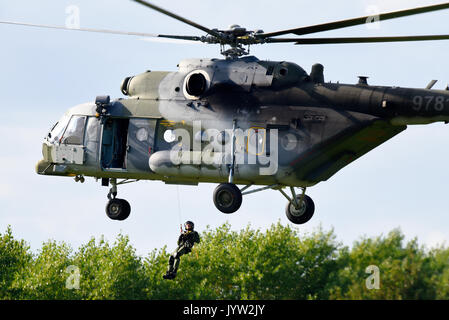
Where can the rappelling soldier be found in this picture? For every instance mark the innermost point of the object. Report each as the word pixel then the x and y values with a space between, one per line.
pixel 185 244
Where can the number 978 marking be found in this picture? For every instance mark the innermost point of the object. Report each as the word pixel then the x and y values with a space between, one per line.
pixel 428 103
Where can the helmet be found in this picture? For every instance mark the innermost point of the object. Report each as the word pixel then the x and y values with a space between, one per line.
pixel 189 223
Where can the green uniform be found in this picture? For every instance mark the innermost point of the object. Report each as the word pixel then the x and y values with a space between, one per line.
pixel 185 244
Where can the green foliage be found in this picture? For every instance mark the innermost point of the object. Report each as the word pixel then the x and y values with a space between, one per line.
pixel 404 271
pixel 45 277
pixel 14 257
pixel 439 267
pixel 278 263
pixel 110 272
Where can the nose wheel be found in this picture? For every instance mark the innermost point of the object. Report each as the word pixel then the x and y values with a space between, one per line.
pixel 117 209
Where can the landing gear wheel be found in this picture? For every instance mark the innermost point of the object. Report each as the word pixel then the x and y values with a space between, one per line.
pixel 118 209
pixel 227 197
pixel 302 214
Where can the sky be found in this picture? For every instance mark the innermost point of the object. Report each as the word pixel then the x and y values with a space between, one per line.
pixel 401 184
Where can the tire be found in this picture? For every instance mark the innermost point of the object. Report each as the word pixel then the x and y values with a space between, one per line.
pixel 304 214
pixel 227 198
pixel 118 209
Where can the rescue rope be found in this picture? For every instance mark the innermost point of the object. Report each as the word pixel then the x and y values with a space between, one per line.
pixel 180 214
pixel 179 207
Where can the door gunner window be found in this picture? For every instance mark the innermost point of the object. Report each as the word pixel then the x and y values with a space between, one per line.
pixel 74 133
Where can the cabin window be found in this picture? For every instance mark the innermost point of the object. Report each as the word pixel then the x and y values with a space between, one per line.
pixel 169 136
pixel 256 141
pixel 74 133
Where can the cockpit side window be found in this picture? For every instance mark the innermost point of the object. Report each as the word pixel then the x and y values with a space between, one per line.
pixel 74 133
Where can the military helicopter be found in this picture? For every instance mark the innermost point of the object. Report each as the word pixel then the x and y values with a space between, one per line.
pixel 237 121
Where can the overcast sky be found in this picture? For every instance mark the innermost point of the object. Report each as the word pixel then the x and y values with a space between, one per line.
pixel 401 184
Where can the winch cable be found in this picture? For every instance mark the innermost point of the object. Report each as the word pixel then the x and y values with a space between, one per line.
pixel 179 207
pixel 180 214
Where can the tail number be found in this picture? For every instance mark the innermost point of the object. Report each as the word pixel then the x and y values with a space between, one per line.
pixel 428 103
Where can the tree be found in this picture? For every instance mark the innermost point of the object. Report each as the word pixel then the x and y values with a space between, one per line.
pixel 440 272
pixel 110 272
pixel 46 276
pixel 278 263
pixel 404 271
pixel 14 258
pixel 250 264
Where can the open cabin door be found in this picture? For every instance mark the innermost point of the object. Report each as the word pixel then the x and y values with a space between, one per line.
pixel 114 143
pixel 127 144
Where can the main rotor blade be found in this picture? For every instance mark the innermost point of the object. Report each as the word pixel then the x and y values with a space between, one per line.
pixel 357 21
pixel 140 34
pixel 358 39
pixel 177 17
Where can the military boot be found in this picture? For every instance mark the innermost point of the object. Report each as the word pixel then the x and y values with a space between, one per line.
pixel 169 275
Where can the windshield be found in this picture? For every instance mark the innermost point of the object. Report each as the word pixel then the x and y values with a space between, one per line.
pixel 58 129
pixel 74 133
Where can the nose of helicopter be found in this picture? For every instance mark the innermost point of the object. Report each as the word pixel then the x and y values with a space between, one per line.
pixel 45 163
pixel 42 166
pixel 47 168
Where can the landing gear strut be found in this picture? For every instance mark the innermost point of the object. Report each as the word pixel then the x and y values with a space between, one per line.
pixel 117 209
pixel 227 196
pixel 300 208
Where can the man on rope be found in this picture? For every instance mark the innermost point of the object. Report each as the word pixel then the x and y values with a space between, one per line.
pixel 185 244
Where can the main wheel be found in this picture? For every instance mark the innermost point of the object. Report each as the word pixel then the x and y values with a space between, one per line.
pixel 118 209
pixel 227 197
pixel 302 214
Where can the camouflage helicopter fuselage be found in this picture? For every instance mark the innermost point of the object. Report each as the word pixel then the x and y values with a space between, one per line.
pixel 302 129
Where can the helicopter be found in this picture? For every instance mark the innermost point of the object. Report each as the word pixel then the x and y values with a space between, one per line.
pixel 237 121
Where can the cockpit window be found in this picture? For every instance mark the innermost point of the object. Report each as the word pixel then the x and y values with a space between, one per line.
pixel 74 133
pixel 57 130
